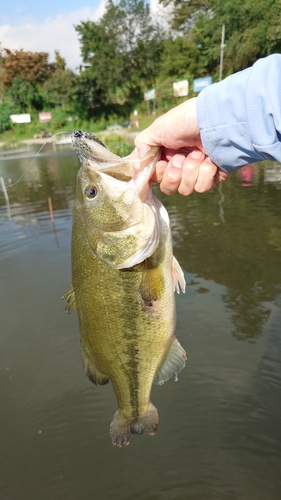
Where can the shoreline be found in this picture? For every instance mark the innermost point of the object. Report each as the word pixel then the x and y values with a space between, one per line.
pixel 64 138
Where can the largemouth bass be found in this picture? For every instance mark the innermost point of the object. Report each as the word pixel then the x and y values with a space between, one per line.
pixel 123 279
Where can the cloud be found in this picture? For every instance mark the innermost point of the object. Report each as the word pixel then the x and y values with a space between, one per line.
pixel 58 33
pixel 160 13
pixel 55 33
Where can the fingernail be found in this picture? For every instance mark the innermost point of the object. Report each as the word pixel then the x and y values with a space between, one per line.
pixel 197 154
pixel 177 161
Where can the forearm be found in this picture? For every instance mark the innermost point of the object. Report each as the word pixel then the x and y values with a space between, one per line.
pixel 240 117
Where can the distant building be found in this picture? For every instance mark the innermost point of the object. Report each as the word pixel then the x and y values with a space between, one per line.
pixel 82 68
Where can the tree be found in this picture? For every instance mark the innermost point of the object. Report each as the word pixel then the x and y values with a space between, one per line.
pixel 6 109
pixel 123 50
pixel 181 56
pixel 30 66
pixel 252 29
pixel 60 88
pixel 60 62
pixel 93 99
pixel 25 95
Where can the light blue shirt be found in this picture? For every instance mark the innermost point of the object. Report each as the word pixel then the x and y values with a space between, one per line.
pixel 240 117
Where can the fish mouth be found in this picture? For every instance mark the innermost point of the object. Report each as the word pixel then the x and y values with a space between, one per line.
pixel 87 145
pixel 136 171
pixel 143 171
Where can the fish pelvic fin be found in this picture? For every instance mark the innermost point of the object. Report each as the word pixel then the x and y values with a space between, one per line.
pixel 178 276
pixel 92 372
pixel 172 364
pixel 121 428
pixel 69 298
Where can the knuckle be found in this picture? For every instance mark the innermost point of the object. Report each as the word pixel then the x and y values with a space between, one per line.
pixel 185 190
pixel 172 175
pixel 190 166
pixel 209 168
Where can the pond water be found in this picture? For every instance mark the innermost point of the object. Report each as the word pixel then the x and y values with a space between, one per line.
pixel 220 424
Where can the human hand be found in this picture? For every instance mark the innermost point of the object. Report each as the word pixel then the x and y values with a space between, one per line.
pixel 184 165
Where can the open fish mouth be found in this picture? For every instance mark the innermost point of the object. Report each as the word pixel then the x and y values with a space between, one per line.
pixel 133 169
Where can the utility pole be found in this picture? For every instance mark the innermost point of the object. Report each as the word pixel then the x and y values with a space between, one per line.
pixel 222 49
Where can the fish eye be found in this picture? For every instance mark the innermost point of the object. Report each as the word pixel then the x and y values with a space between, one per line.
pixel 91 192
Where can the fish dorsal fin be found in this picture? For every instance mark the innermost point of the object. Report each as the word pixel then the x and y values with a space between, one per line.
pixel 178 276
pixel 172 364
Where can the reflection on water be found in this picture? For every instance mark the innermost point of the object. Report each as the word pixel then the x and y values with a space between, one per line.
pixel 219 435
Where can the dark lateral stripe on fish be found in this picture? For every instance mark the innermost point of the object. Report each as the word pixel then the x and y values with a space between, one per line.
pixel 133 364
pixel 131 341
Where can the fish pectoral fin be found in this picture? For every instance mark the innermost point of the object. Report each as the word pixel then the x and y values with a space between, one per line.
pixel 172 364
pixel 69 298
pixel 178 276
pixel 92 372
pixel 152 285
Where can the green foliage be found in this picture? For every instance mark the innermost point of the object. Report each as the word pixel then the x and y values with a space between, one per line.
pixel 25 95
pixel 123 50
pixel 91 98
pixel 117 144
pixel 181 55
pixel 6 109
pixel 252 30
pixel 60 88
pixel 128 53
pixel 60 62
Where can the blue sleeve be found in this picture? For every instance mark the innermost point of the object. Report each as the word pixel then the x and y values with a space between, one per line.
pixel 240 117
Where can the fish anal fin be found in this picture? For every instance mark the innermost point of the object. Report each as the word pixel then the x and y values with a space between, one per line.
pixel 178 276
pixel 121 428
pixel 172 364
pixel 92 372
pixel 69 298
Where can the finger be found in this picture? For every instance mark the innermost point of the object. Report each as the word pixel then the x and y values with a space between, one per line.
pixel 206 176
pixel 221 176
pixel 168 153
pixel 172 175
pixel 161 166
pixel 190 172
pixel 142 146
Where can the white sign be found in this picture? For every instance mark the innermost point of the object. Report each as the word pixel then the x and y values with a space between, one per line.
pixel 180 88
pixel 149 95
pixel 24 118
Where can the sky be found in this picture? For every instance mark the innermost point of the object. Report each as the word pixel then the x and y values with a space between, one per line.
pixel 48 25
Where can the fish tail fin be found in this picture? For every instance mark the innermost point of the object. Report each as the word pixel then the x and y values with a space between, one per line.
pixel 121 428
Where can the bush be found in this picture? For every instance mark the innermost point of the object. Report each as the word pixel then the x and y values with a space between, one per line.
pixel 6 109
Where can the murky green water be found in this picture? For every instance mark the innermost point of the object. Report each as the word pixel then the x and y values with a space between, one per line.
pixel 220 424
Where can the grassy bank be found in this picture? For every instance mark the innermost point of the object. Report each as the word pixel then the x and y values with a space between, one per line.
pixel 18 133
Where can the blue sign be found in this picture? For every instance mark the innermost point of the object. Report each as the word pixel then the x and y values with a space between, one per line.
pixel 200 83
